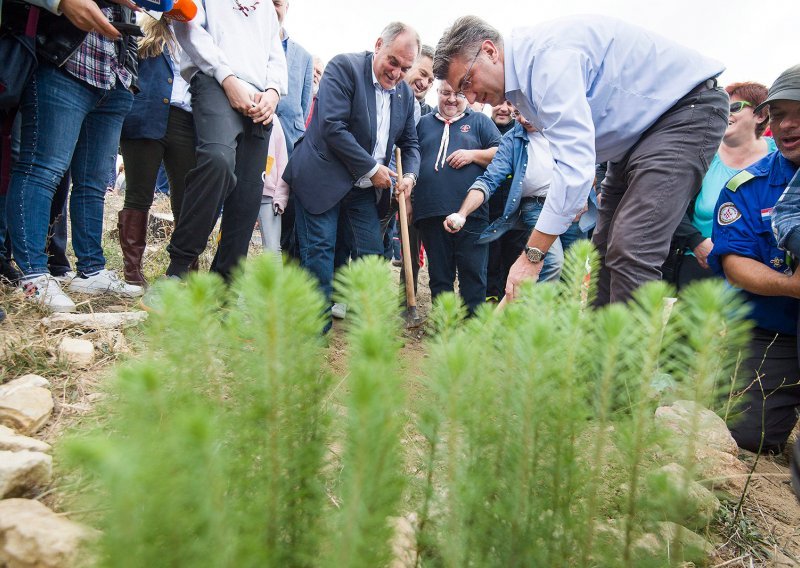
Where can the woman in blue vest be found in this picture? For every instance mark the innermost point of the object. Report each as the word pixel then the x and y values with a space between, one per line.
pixel 159 128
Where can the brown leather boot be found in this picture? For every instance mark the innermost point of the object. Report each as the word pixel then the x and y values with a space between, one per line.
pixel 132 239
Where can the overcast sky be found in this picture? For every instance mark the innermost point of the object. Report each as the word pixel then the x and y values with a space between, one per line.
pixel 755 40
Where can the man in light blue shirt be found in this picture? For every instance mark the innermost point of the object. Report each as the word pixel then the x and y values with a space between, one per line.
pixel 600 90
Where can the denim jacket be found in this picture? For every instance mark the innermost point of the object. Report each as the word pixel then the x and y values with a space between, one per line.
pixel 512 159
pixel 786 218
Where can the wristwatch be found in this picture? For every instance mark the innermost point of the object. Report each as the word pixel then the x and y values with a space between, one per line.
pixel 534 254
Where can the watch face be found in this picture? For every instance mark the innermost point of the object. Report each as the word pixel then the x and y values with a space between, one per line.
pixel 534 254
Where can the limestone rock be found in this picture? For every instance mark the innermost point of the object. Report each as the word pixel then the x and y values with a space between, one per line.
pixel 661 544
pixel 701 504
pixel 95 321
pixel 32 536
pixel 24 382
pixel 114 342
pixel 721 471
pixel 25 404
pixel 79 352
pixel 24 470
pixel 710 429
pixel 10 441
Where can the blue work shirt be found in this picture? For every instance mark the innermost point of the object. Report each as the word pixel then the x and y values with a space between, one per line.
pixel 742 226
pixel 592 85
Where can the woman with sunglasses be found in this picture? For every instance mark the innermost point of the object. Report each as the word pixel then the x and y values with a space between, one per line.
pixel 743 144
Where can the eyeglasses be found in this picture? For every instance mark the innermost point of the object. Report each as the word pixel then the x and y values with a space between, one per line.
pixel 448 94
pixel 467 80
pixel 739 105
pixel 515 114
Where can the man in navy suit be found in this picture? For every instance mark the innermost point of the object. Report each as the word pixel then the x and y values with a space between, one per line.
pixel 339 169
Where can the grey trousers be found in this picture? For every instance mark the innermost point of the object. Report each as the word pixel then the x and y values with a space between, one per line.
pixel 231 154
pixel 645 195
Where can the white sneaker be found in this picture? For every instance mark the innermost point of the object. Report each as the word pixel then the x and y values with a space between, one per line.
pixel 104 282
pixel 65 278
pixel 339 311
pixel 46 291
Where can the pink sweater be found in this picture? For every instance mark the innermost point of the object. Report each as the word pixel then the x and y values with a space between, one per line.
pixel 277 158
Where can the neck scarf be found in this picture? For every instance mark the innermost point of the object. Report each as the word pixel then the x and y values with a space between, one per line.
pixel 442 155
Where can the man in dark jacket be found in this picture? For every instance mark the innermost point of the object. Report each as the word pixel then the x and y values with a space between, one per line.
pixel 337 170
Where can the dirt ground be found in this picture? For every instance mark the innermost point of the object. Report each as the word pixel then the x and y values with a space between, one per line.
pixel 770 526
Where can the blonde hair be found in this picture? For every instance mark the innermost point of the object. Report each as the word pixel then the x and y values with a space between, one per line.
pixel 157 36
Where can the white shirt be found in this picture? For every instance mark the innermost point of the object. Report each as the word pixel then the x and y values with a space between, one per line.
pixel 221 41
pixel 383 110
pixel 592 85
pixel 180 97
pixel 539 171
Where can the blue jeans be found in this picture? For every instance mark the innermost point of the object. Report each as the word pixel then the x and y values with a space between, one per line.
pixel 355 217
pixel 66 124
pixel 571 235
pixel 529 211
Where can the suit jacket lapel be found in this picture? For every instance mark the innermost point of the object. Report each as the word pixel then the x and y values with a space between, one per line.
pixel 371 106
pixel 397 121
pixel 290 48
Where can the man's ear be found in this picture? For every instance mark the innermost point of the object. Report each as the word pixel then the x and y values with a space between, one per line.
pixel 378 44
pixel 490 49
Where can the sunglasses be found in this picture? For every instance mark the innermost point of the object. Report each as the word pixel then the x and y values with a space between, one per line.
pixel 739 105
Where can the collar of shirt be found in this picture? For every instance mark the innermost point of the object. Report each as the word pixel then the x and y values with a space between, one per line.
pixel 284 40
pixel 513 88
pixel 783 172
pixel 376 83
pixel 512 84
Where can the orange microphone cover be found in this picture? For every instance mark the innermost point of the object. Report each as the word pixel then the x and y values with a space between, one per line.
pixel 182 11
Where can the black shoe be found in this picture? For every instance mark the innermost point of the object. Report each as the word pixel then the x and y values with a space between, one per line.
pixel 9 274
pixel 2 315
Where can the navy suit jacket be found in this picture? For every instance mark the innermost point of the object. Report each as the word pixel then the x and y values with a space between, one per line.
pixel 149 114
pixel 294 107
pixel 337 147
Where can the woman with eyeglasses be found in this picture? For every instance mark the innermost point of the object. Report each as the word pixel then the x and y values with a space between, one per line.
pixel 743 144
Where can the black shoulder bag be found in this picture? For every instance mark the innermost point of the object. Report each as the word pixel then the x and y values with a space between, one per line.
pixel 18 54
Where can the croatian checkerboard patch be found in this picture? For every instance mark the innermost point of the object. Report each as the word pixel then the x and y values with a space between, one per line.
pixel 728 214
